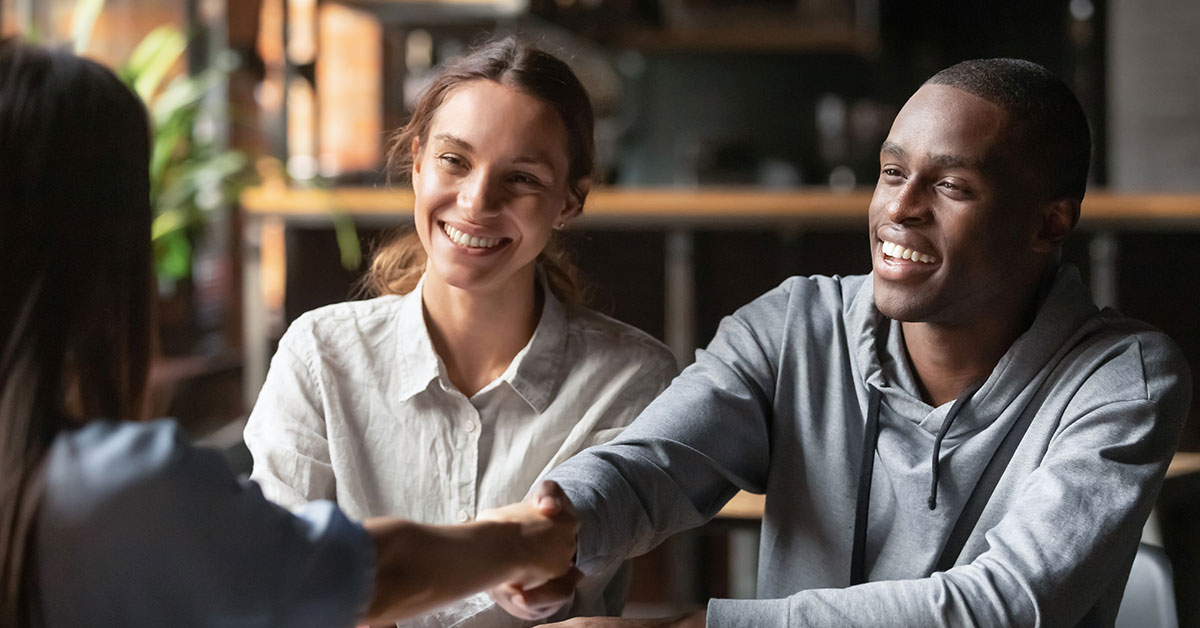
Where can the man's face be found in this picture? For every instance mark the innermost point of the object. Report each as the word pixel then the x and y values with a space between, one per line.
pixel 952 219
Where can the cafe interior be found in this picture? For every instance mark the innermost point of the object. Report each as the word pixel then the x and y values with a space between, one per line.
pixel 737 144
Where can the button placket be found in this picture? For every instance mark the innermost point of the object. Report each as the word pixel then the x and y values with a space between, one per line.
pixel 469 461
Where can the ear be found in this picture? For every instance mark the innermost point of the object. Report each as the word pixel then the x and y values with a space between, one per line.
pixel 1057 220
pixel 575 197
pixel 416 156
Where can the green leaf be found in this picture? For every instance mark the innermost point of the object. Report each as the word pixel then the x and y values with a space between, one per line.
pixel 347 239
pixel 167 223
pixel 83 22
pixel 183 95
pixel 153 58
pixel 173 255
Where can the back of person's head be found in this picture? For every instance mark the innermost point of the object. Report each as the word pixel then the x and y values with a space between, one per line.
pixel 74 297
pixel 513 63
pixel 1048 116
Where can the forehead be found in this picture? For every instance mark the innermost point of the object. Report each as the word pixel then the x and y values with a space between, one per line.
pixel 493 117
pixel 948 122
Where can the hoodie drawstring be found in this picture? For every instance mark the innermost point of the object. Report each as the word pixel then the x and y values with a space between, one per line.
pixel 935 465
pixel 865 470
pixel 867 467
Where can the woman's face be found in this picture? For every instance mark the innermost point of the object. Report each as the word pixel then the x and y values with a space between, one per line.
pixel 490 185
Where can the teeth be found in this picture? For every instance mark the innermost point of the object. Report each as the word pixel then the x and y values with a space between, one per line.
pixel 891 249
pixel 474 242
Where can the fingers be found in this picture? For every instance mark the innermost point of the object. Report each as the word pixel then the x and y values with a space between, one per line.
pixel 544 601
pixel 555 593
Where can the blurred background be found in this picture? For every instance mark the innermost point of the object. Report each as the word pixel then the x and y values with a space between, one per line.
pixel 738 144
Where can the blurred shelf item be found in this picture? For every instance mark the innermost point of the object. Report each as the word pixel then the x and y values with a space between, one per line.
pixel 1183 463
pixel 744 506
pixel 782 38
pixel 201 391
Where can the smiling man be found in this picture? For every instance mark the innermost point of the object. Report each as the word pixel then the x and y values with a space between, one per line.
pixel 960 438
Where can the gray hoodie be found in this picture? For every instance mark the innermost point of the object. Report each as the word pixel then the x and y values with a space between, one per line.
pixel 779 404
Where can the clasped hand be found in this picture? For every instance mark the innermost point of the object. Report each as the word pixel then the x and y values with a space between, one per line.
pixel 546 537
pixel 536 596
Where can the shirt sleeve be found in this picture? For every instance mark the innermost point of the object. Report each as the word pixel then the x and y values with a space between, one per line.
pixel 286 432
pixel 139 528
pixel 688 453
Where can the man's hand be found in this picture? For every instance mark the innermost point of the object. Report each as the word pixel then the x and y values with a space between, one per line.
pixel 539 600
pixel 544 540
pixel 690 620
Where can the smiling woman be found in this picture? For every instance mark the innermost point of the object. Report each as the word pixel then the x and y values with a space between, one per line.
pixel 477 369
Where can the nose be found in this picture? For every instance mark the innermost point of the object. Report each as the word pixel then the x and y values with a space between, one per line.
pixel 476 197
pixel 909 204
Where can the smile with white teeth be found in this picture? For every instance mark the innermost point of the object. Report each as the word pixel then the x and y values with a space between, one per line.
pixel 473 242
pixel 891 249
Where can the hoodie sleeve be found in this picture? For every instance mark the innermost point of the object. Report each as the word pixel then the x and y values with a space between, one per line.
pixel 1060 553
pixel 689 452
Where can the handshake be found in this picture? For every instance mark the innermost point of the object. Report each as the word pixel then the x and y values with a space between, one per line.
pixel 545 581
pixel 544 577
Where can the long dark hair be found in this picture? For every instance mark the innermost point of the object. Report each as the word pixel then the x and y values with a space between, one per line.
pixel 74 294
pixel 514 63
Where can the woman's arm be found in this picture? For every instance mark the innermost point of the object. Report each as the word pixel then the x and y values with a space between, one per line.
pixel 420 567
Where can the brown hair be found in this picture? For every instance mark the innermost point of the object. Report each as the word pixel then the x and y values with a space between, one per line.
pixel 74 306
pixel 398 265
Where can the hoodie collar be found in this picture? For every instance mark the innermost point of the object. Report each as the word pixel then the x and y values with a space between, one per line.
pixel 884 360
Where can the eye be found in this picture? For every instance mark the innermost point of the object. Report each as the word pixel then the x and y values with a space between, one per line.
pixel 452 162
pixel 954 189
pixel 524 178
pixel 891 172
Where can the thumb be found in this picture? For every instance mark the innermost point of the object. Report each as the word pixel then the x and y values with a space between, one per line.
pixel 548 498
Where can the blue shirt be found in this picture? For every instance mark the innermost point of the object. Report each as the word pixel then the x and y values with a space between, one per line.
pixel 139 528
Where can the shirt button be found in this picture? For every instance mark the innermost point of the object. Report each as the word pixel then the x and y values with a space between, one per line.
pixel 471 426
pixel 463 516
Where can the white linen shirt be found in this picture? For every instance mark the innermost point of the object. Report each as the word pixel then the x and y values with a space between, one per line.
pixel 358 408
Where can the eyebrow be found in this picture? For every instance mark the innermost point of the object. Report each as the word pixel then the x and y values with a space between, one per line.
pixel 463 145
pixel 458 143
pixel 945 161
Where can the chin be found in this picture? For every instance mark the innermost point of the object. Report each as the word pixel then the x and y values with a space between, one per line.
pixel 897 305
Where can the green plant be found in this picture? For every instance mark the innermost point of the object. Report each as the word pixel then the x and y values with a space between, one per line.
pixel 191 173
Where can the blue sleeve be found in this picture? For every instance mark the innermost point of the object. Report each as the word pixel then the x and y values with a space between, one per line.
pixel 139 528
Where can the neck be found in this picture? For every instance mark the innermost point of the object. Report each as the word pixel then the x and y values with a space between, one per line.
pixel 477 335
pixel 948 358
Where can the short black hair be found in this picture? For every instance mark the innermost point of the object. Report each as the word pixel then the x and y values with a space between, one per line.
pixel 1052 117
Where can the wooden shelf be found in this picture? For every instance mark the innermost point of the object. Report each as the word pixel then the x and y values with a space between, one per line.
pixel 700 206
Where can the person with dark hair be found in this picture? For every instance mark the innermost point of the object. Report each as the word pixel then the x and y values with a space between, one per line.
pixel 478 369
pixel 111 522
pixel 960 438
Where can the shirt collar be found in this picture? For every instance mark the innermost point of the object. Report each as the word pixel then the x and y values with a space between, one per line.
pixel 533 378
pixel 535 372
pixel 419 362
